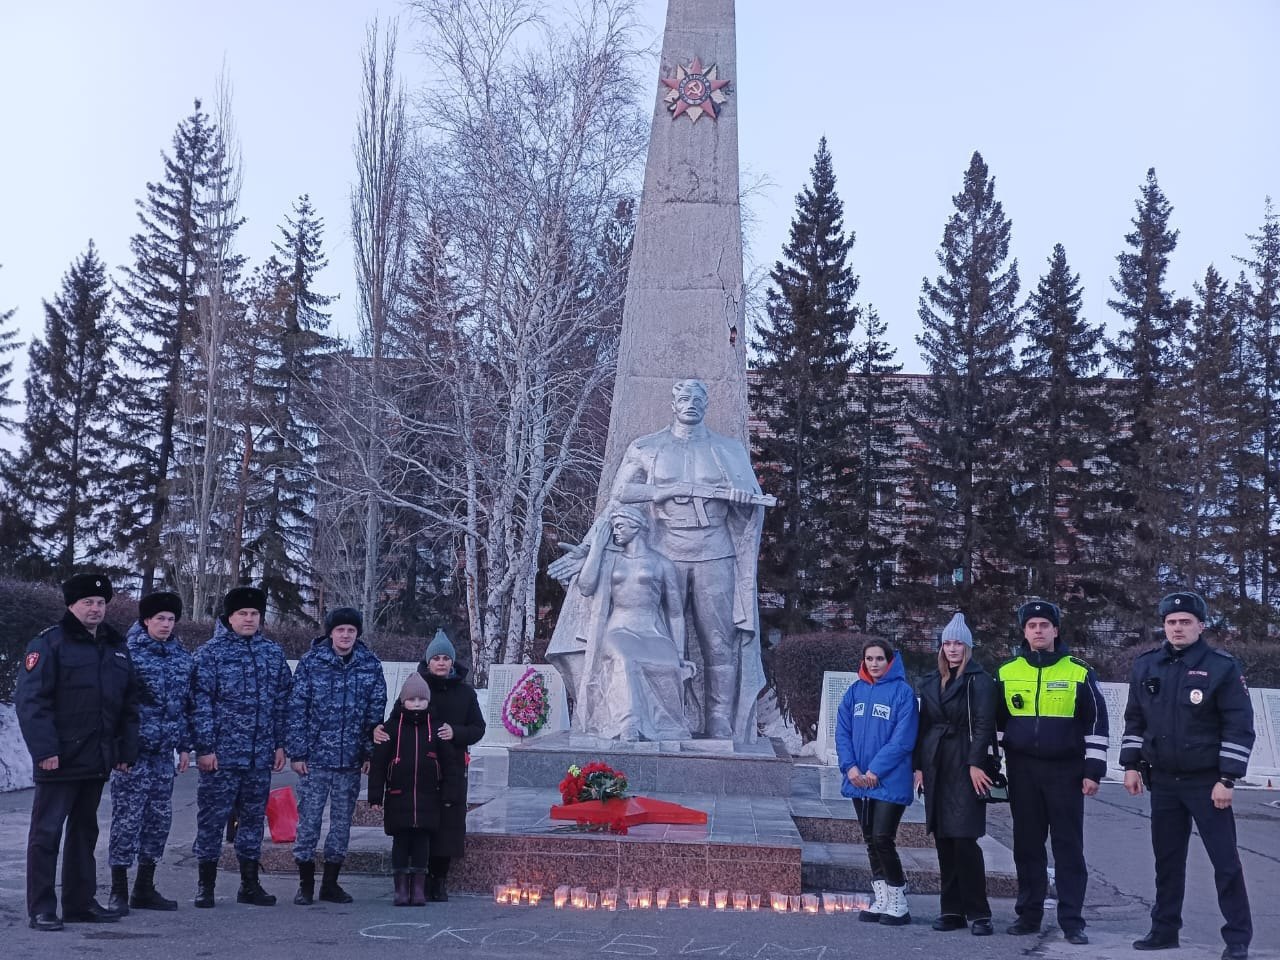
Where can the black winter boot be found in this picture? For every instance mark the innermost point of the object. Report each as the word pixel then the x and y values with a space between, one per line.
pixel 251 891
pixel 118 901
pixel 208 877
pixel 402 889
pixel 329 889
pixel 418 890
pixel 145 895
pixel 437 892
pixel 306 883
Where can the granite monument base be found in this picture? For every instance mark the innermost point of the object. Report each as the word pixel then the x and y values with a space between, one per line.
pixel 716 767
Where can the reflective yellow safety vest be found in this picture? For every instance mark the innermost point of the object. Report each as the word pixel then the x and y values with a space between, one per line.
pixel 1031 691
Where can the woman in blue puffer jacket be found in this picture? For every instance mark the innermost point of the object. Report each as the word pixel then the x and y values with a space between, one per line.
pixel 875 734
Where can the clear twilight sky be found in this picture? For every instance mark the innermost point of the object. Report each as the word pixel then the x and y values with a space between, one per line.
pixel 1069 102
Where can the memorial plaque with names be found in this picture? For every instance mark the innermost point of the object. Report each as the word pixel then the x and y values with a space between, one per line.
pixel 834 685
pixel 1116 696
pixel 1265 759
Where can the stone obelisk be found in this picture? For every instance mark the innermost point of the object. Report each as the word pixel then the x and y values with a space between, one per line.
pixel 683 315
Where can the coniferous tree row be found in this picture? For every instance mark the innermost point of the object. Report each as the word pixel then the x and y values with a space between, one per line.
pixel 804 360
pixel 1064 428
pixel 8 344
pixel 1259 296
pixel 964 528
pixel 879 401
pixel 1141 355
pixel 293 320
pixel 62 473
pixel 159 297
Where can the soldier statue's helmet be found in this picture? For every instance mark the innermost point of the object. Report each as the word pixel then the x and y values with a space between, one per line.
pixel 1036 607
pixel 160 602
pixel 86 585
pixel 1184 601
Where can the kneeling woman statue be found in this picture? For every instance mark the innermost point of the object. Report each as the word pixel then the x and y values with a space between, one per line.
pixel 633 685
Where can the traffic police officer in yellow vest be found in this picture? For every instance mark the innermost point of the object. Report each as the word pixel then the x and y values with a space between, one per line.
pixel 1188 731
pixel 1054 724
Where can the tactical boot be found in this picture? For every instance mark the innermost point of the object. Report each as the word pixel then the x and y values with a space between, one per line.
pixel 118 899
pixel 329 889
pixel 306 883
pixel 402 889
pixel 251 891
pixel 145 895
pixel 208 874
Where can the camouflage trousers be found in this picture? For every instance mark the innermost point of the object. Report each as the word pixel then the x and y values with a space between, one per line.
pixel 141 811
pixel 220 792
pixel 340 788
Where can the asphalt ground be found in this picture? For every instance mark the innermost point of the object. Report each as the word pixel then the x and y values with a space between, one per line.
pixel 1119 898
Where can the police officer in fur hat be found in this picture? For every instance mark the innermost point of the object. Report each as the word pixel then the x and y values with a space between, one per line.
pixel 142 798
pixel 240 695
pixel 1189 725
pixel 77 704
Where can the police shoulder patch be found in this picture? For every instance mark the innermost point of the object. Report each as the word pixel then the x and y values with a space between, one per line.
pixel 32 659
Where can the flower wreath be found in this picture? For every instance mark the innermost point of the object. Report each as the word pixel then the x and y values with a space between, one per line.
pixel 525 710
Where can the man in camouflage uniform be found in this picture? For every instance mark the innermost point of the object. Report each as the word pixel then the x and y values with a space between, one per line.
pixel 339 695
pixel 240 694
pixel 142 798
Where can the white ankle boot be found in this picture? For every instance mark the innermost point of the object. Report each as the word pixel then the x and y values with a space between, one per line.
pixel 896 912
pixel 873 913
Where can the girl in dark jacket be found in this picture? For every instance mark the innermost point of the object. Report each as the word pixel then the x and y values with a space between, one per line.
pixel 459 724
pixel 404 779
pixel 957 723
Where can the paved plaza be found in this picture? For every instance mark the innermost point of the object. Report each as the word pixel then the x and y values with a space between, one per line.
pixel 1119 897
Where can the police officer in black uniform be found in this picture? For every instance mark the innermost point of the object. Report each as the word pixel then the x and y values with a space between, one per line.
pixel 1188 731
pixel 77 706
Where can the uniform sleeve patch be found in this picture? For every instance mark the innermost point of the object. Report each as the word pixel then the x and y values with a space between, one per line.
pixel 32 659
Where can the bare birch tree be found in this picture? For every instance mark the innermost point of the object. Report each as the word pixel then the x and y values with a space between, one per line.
pixel 379 230
pixel 199 555
pixel 533 136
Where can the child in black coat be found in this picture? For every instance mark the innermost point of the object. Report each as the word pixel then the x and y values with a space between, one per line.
pixel 404 780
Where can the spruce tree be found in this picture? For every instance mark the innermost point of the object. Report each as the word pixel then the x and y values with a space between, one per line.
pixel 963 532
pixel 1201 432
pixel 878 400
pixel 1140 355
pixel 159 297
pixel 65 463
pixel 1259 297
pixel 1064 428
pixel 279 523
pixel 8 344
pixel 805 358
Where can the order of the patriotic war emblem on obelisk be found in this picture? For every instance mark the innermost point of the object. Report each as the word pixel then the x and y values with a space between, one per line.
pixel 695 90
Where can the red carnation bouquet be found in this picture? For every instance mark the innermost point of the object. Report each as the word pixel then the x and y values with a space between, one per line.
pixel 595 781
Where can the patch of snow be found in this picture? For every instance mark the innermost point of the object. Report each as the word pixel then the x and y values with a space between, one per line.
pixel 15 761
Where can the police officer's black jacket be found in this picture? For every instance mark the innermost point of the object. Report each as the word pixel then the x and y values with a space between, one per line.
pixel 1188 713
pixel 77 700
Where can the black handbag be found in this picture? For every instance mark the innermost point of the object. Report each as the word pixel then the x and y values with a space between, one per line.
pixel 998 792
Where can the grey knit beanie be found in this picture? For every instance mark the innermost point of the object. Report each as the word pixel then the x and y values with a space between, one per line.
pixel 957 629
pixel 439 645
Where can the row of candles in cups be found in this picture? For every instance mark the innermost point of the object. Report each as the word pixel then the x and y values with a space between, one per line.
pixel 663 898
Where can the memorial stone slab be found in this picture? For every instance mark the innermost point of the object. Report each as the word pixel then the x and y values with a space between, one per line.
pixel 502 678
pixel 834 686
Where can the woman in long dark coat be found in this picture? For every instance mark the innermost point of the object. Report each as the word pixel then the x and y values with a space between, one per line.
pixel 957 723
pixel 455 713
